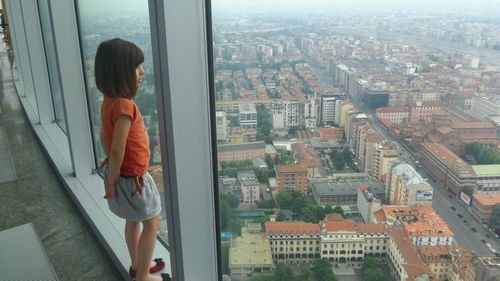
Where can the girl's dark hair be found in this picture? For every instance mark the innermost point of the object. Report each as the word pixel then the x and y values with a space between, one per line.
pixel 115 63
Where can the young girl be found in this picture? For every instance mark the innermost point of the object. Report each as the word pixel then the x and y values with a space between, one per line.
pixel 130 189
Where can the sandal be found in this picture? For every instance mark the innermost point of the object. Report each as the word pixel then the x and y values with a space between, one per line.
pixel 166 277
pixel 160 264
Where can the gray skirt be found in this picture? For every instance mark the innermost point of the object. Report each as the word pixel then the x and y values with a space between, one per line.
pixel 131 205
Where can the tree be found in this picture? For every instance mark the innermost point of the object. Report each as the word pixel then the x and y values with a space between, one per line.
pixel 261 278
pixel 281 216
pixel 495 218
pixel 338 210
pixel 261 175
pixel 283 273
pixel 468 190
pixel 226 214
pixel 323 270
pixel 371 270
pixel 225 259
pixel 284 200
pixel 233 200
pixel 265 204
pixel 269 162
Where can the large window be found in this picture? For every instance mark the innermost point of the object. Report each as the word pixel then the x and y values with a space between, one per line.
pixel 52 64
pixel 129 20
pixel 306 97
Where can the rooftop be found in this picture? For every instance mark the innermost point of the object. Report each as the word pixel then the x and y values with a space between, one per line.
pixel 409 175
pixel 273 228
pixel 414 265
pixel 487 199
pixel 450 159
pixel 338 226
pixel 241 146
pixel 250 250
pixel 486 170
pixel 292 168
pixel 390 109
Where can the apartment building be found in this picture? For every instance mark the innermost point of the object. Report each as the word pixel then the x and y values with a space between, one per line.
pixel 303 155
pixel 407 187
pixel 248 116
pixel 291 177
pixel 446 167
pixel 384 157
pixel 483 205
pixel 396 114
pixel 250 187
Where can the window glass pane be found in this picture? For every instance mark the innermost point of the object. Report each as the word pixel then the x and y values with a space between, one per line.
pixel 317 101
pixel 128 20
pixel 52 64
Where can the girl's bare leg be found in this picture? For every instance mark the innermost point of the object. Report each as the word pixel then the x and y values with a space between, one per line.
pixel 145 249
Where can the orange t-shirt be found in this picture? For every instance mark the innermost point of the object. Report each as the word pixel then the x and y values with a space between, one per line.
pixel 136 158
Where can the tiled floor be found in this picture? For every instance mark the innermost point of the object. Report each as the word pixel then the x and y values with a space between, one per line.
pixel 30 192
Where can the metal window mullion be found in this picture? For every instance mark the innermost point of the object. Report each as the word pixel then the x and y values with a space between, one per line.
pixel 22 55
pixel 73 86
pixel 181 78
pixel 13 38
pixel 38 63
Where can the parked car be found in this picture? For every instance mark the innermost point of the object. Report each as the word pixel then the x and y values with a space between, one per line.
pixel 487 245
pixel 460 215
pixel 453 208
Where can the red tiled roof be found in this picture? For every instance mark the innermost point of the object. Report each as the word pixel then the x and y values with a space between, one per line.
pixel 292 228
pixel 345 225
pixel 487 199
pixel 292 168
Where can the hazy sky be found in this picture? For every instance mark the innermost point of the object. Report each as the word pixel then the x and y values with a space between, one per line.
pixel 464 6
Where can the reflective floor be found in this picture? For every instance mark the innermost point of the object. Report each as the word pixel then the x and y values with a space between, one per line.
pixel 30 192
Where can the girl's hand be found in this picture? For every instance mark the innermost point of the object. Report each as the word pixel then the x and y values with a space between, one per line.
pixel 110 183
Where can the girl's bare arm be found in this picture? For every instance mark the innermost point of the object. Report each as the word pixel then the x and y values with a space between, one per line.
pixel 117 152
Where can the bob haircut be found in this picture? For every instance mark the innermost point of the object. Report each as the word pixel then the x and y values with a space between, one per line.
pixel 115 63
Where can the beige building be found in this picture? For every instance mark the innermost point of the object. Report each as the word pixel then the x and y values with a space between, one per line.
pixel 385 156
pixel 446 166
pixel 404 260
pixel 407 187
pixel 448 263
pixel 368 203
pixel 250 253
pixel 484 268
pixel 396 114
pixel 243 151
pixel 294 242
pixel 221 122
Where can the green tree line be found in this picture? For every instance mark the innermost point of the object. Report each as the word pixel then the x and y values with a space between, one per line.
pixel 482 153
pixel 302 207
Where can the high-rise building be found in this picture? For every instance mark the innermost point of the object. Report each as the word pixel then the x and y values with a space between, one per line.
pixel 327 108
pixel 248 116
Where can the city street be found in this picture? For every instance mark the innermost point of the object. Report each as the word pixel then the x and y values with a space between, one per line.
pixel 442 203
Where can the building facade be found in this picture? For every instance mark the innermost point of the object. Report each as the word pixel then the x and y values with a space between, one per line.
pixel 407 187
pixel 291 177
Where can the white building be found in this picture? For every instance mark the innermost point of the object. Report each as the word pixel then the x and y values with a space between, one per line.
pixel 327 108
pixel 250 187
pixel 287 113
pixel 221 122
pixel 248 116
